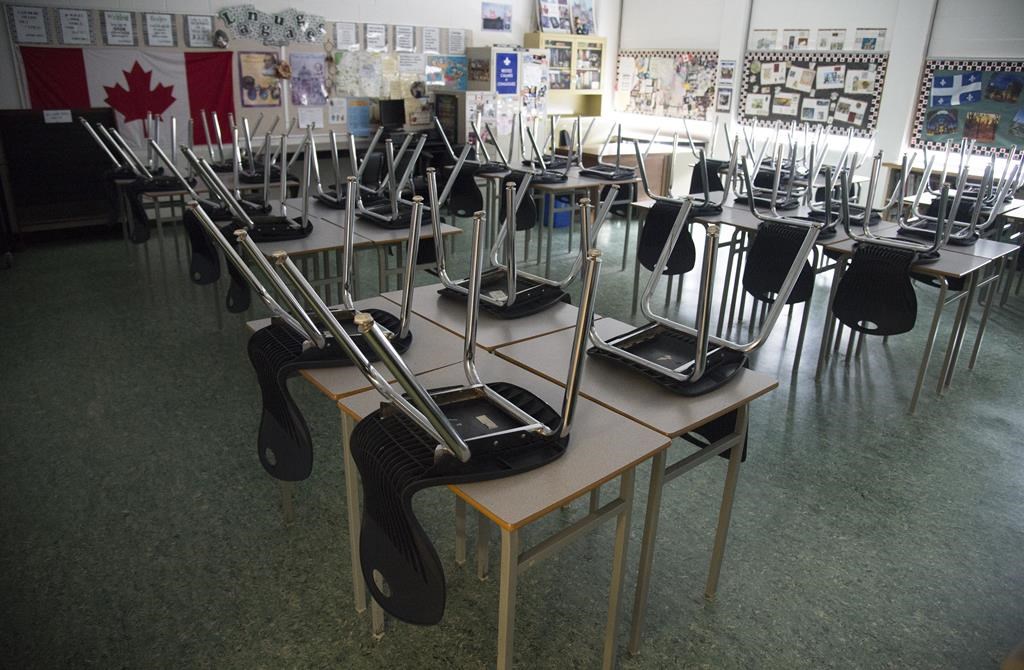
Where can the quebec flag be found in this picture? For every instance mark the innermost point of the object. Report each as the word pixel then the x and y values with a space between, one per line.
pixel 956 89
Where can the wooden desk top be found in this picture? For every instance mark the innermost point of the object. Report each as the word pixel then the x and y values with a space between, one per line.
pixel 630 393
pixel 601 447
pixel 432 347
pixel 492 332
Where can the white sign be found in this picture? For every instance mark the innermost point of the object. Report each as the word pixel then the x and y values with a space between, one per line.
pixel 311 116
pixel 159 30
pixel 29 25
pixel 431 40
pixel 405 38
pixel 345 36
pixel 119 29
pixel 412 64
pixel 336 111
pixel 74 26
pixel 376 37
pixel 199 30
pixel 56 116
pixel 456 42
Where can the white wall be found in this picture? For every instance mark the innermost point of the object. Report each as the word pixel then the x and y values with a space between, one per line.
pixel 979 29
pixel 441 13
pixel 672 24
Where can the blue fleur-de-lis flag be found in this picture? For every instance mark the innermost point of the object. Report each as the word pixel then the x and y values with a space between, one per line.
pixel 956 89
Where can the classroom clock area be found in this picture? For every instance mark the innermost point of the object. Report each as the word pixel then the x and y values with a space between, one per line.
pixel 615 334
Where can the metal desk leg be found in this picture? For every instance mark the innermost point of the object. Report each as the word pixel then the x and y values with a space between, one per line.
pixel 929 343
pixel 483 540
pixel 732 476
pixel 627 486
pixel 549 215
pixel 625 240
pixel 460 531
pixel 954 352
pixel 830 321
pixel 992 292
pixel 507 596
pixel 636 265
pixel 352 505
pixel 643 580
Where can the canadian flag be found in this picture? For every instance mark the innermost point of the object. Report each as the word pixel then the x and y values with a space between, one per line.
pixel 134 83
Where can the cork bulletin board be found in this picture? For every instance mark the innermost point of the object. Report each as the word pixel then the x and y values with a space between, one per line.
pixel 679 84
pixel 842 90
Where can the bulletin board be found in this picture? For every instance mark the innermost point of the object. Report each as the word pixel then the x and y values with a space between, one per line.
pixel 981 100
pixel 680 84
pixel 817 88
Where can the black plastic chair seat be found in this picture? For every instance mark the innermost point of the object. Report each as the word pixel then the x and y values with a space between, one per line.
pixel 768 262
pixel 875 295
pixel 609 172
pixel 401 221
pixel 531 297
pixel 276 352
pixel 672 348
pixel 250 177
pixel 330 198
pixel 492 167
pixel 782 203
pixel 396 459
pixel 226 165
pixel 925 230
pixel 549 177
pixel 269 228
pixel 655 233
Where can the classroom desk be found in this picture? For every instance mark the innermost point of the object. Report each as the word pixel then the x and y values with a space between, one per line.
pixel 639 399
pixel 492 332
pixel 950 266
pixel 603 447
pixel 432 347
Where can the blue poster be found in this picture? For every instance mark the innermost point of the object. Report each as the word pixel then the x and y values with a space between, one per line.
pixel 506 75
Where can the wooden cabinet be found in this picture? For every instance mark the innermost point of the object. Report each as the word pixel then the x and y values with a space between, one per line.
pixel 575 69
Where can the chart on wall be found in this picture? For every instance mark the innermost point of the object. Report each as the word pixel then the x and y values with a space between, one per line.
pixel 826 88
pixel 667 83
pixel 980 100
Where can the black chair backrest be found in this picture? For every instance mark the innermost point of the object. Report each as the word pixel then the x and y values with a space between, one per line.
pixel 769 259
pixel 875 295
pixel 657 227
pixel 374 170
pixel 526 215
pixel 714 177
pixel 465 198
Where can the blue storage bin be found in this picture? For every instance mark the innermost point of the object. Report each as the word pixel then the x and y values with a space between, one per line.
pixel 563 217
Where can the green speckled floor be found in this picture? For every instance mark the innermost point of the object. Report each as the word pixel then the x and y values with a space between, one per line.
pixel 140 531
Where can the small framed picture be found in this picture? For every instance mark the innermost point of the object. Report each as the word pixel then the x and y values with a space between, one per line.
pixel 726 72
pixel 724 100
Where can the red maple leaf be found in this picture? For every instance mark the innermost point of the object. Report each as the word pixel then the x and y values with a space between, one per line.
pixel 139 99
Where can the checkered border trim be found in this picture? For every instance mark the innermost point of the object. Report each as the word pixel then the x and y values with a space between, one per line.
pixel 749 81
pixel 933 64
pixel 708 58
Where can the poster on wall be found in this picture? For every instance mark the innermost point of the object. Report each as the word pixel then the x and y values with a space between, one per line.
pixel 198 31
pixel 796 39
pixel 160 30
pixel 829 88
pixel 376 37
pixel 553 16
pixel 680 84
pixel 74 26
pixel 358 74
pixel 726 72
pixel 724 103
pixel 308 83
pixel 584 22
pixel 257 79
pixel 869 39
pixel 118 29
pixel 496 16
pixel 831 39
pixel 29 25
pixel 980 100
pixel 431 40
pixel 764 39
pixel 447 71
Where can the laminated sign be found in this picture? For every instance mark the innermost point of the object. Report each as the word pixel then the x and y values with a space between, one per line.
pixel 507 73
